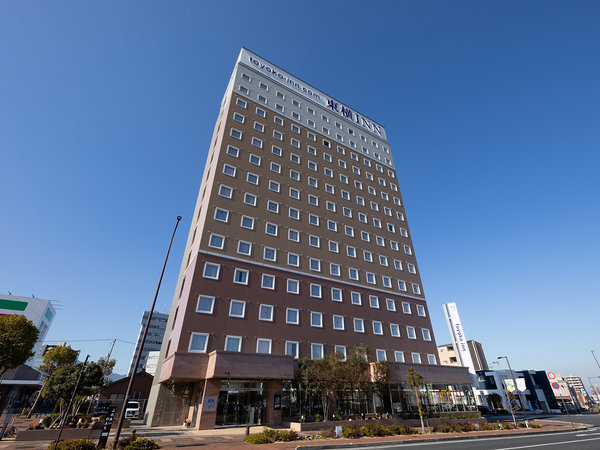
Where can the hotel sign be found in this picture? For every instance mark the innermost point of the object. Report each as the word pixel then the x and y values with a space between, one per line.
pixel 307 91
pixel 459 341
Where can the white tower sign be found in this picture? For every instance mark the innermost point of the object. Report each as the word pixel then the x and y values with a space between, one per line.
pixel 459 340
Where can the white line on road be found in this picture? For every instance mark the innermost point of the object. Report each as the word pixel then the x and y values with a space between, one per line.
pixel 548 444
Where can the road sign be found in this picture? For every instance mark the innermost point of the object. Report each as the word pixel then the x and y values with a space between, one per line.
pixel 555 385
pixel 551 375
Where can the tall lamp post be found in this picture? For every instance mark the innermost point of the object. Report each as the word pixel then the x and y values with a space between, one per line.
pixel 521 396
pixel 139 354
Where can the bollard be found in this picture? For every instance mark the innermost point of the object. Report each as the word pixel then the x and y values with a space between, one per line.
pixel 247 430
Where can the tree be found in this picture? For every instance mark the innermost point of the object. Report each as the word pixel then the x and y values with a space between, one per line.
pixel 381 376
pixel 416 382
pixel 17 338
pixel 55 357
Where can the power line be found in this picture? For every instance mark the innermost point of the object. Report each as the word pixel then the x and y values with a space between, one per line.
pixel 92 340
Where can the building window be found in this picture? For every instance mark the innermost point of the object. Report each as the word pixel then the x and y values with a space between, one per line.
pixel 381 356
pixel 240 276
pixel 416 289
pixel 426 334
pixel 263 346
pixel 315 290
pixel 293 286
pixel 261 112
pixel 257 142
pixel 416 358
pixel 334 269
pixel 336 294
pixel 293 259
pixel 292 316
pixel 293 235
pixel 237 308
pixel 295 193
pixel 399 356
pixel 374 301
pixel 421 310
pixel 316 319
pixel 249 199
pixel 216 241
pixel 410 332
pixel 402 285
pixel 275 167
pixel 431 359
pixel 353 273
pixel 270 254
pixel 272 206
pixel 356 300
pixel 387 281
pixel 314 241
pixel 407 250
pixel 271 229
pixel 205 304
pixel 222 215
pixel 229 170
pixel 211 271
pixel 351 251
pixel 265 312
pixel 233 343
pixel 394 330
pixel 294 213
pixel 313 220
pixel 291 348
pixel 198 342
pixel 338 322
pixel 411 268
pixel 248 222
pixel 371 278
pixel 225 191
pixel 274 186
pixel 332 225
pixel 377 328
pixel 406 308
pixel 359 325
pixel 241 103
pixel 268 281
pixel 340 351
pixel 233 151
pixel 367 256
pixel 316 351
pixel 391 304
pixel 244 248
pixel 236 134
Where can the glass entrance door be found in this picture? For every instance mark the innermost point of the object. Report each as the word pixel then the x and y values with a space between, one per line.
pixel 240 403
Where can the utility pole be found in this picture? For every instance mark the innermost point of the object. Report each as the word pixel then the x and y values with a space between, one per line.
pixel 139 353
pixel 521 396
pixel 62 423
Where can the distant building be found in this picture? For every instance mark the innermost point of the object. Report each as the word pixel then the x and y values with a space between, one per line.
pixel 577 385
pixel 156 332
pixel 447 355
pixel 40 312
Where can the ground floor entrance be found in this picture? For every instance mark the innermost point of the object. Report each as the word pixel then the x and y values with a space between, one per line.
pixel 240 402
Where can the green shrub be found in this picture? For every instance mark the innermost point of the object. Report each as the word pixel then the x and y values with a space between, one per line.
pixel 535 425
pixel 401 429
pixel 329 433
pixel 257 438
pixel 352 431
pixel 287 436
pixel 443 428
pixel 317 417
pixel 74 444
pixel 465 426
pixel 142 444
pixel 271 434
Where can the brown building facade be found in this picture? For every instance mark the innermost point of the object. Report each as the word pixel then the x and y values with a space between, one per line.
pixel 299 247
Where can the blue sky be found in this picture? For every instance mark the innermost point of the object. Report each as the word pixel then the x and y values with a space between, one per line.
pixel 491 109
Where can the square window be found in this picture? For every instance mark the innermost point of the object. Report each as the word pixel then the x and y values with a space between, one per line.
pixel 249 199
pixel 351 251
pixel 237 308
pixel 336 294
pixel 295 175
pixel 316 319
pixel 291 348
pixel 240 102
pixel 294 235
pixel 314 241
pixel 402 285
pixel 315 265
pixel 407 250
pixel 225 191
pixel 236 134
pixel 295 193
pixel 233 151
pixel 240 276
pixel 211 271
pixel 274 186
pixel 222 215
pixel 340 351
pixel 416 289
pixel 272 206
pixel 261 112
pixel 394 330
pixel 276 150
pixel 416 358
pixel 353 273
pixel 233 343
pixel 431 359
pixel 294 213
pixel 391 304
pixel 248 222
pixel 356 300
pixel 359 325
pixel 316 351
pixel 410 332
pixel 252 178
pixel 293 259
pixel 398 265
pixel 377 328
pixel 374 301
pixel 330 206
pixel 278 135
pixel 338 322
pixel 198 342
pixel 205 304
pixel 315 290
pixel 313 200
pixel 399 356
pixel 275 167
pixel 254 159
pixel 406 308
pixel 292 316
pixel 349 231
pixel 271 229
pixel 263 346
pixel 334 247
pixel 313 220
pixel 332 225
pixel 268 281
pixel 421 310
pixel 367 256
pixel 426 334
pixel 216 241
pixel 387 281
pixel 257 142
pixel 370 278
pixel 244 248
pixel 270 254
pixel 244 89
pixel 293 286
pixel 334 269
pixel 265 312
pixel 259 126
pixel 381 356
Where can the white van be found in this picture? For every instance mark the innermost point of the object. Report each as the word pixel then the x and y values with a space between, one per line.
pixel 133 410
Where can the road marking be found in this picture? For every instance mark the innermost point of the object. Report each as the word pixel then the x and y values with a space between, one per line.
pixel 548 444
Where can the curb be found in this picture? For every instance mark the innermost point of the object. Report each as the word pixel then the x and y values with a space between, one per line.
pixel 440 439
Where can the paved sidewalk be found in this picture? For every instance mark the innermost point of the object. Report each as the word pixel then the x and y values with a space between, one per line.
pixel 227 438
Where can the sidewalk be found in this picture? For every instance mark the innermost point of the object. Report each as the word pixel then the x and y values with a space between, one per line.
pixel 227 438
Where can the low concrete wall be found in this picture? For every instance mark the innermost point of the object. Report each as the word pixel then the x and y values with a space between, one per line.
pixel 51 435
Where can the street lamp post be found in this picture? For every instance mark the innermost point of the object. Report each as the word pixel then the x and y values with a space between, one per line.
pixel 139 353
pixel 521 396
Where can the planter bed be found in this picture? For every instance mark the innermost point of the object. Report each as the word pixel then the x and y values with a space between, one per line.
pixel 414 423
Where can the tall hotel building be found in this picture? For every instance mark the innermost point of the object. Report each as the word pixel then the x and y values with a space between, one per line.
pixel 299 247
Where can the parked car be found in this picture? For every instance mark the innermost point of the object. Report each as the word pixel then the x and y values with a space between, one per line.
pixel 133 410
pixel 486 410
